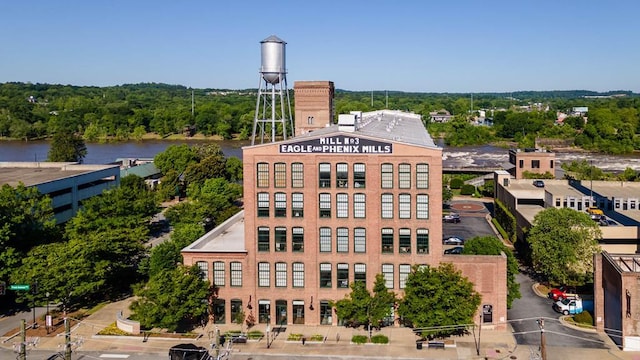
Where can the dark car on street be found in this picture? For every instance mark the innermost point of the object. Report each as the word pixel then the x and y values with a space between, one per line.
pixel 451 218
pixel 454 250
pixel 189 352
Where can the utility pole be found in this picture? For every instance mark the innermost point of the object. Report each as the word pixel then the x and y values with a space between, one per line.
pixel 22 355
pixel 479 332
pixel 67 339
pixel 543 344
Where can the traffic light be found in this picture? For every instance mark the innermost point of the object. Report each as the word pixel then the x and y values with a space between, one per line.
pixel 3 287
pixel 34 288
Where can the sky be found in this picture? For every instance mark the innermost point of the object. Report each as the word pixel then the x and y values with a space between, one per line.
pixel 455 46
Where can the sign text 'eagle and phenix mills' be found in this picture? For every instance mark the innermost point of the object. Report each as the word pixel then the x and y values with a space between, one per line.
pixel 338 145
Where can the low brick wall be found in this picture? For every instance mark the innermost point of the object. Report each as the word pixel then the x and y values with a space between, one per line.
pixel 127 325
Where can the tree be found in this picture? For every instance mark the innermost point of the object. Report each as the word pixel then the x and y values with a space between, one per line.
pixel 360 308
pixel 438 300
pixel 489 245
pixel 234 169
pixel 171 299
pixel 175 157
pixel 563 242
pixel 67 146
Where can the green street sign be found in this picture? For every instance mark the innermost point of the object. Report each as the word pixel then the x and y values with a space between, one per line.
pixel 19 287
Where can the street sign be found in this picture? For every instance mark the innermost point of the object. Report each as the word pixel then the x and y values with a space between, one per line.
pixel 19 287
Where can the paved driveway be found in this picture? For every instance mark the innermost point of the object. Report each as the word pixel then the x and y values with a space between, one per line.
pixel 472 223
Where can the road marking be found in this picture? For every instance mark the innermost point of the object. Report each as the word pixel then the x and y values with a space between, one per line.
pixel 114 356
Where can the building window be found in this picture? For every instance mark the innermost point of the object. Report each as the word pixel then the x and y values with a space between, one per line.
pixel 297 239
pixel 281 239
pixel 342 277
pixel 359 206
pixel 535 164
pixel 281 312
pixel 342 239
pixel 342 175
pixel 263 175
pixel 342 205
pixel 404 176
pixel 404 206
pixel 325 175
pixel 325 205
pixel 218 311
pixel 404 270
pixel 404 240
pixel 218 273
pixel 422 241
pixel 263 238
pixel 236 273
pixel 360 272
pixel 551 164
pixel 325 313
pixel 387 273
pixel 280 174
pixel 297 175
pixel 298 311
pixel 309 120
pixel 264 311
pixel 359 240
pixel 387 241
pixel 422 206
pixel 325 275
pixel 325 239
pixel 521 163
pixel 263 274
pixel 359 175
pixel 263 204
pixel 281 274
pixel 297 205
pixel 298 275
pixel 280 205
pixel 387 206
pixel 204 269
pixel 387 176
pixel 422 176
pixel 236 310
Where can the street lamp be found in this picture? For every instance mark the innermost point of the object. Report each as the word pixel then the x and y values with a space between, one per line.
pixel 46 319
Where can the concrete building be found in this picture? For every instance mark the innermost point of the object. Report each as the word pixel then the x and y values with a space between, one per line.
pixel 68 184
pixel 336 204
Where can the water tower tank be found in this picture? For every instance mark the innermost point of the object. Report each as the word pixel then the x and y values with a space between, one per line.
pixel 273 59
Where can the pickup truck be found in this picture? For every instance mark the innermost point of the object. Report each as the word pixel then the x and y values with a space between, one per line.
pixel 573 305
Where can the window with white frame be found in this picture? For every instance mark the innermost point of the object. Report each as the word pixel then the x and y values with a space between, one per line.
pixel 342 276
pixel 280 175
pixel 387 273
pixel 342 205
pixel 404 176
pixel 404 241
pixel 325 205
pixel 386 174
pixel 325 239
pixel 422 176
pixel 263 238
pixel 387 240
pixel 263 204
pixel 324 175
pixel 342 175
pixel 236 273
pixel 422 241
pixel 359 175
pixel 280 204
pixel 325 275
pixel 404 206
pixel 218 273
pixel 297 175
pixel 264 274
pixel 359 240
pixel 360 272
pixel 297 239
pixel 404 270
pixel 281 274
pixel 386 204
pixel 263 175
pixel 298 274
pixel 342 239
pixel 281 238
pixel 422 206
pixel 359 206
pixel 204 269
pixel 297 205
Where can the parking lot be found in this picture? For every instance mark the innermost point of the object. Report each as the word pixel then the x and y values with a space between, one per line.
pixel 472 223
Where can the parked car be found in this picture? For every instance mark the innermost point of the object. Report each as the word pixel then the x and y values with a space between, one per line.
pixel 451 218
pixel 573 305
pixel 561 292
pixel 189 352
pixel 454 250
pixel 595 213
pixel 453 240
pixel 538 183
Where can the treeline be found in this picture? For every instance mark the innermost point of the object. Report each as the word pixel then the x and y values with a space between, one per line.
pixel 128 112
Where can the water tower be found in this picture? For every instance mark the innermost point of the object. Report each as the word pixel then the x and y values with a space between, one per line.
pixel 273 107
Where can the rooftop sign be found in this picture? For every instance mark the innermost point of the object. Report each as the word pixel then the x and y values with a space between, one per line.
pixel 338 144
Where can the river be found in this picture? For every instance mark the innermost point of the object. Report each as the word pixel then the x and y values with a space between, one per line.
pixel 453 157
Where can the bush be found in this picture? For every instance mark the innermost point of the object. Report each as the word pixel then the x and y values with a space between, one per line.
pixel 316 337
pixel 255 334
pixel 359 339
pixel 294 337
pixel 456 183
pixel 467 189
pixel 583 318
pixel 379 339
pixel 113 329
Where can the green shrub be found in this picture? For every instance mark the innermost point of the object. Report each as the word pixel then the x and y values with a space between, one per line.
pixel 379 339
pixel 456 183
pixel 583 318
pixel 294 337
pixel 467 189
pixel 113 329
pixel 359 339
pixel 316 337
pixel 255 334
